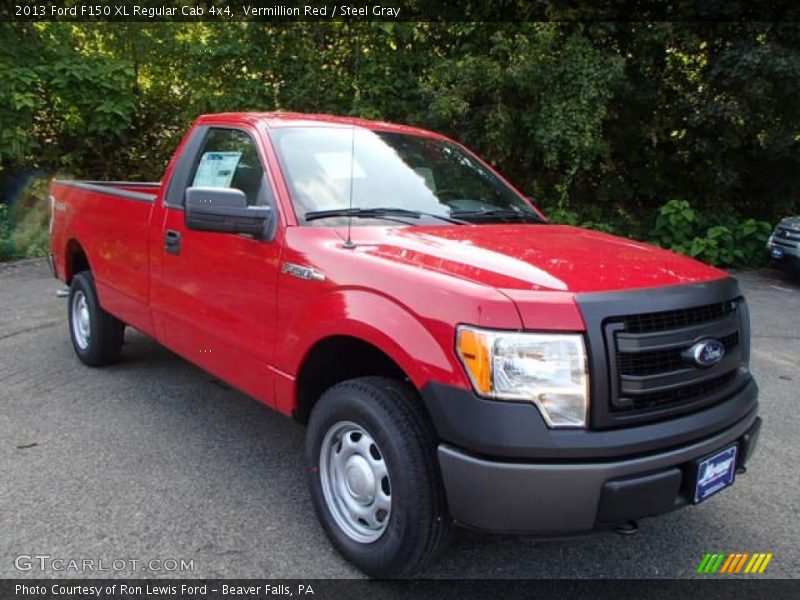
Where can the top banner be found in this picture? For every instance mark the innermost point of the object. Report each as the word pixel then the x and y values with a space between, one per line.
pixel 399 10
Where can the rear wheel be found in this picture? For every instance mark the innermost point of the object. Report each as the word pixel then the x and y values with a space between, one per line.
pixel 96 335
pixel 374 476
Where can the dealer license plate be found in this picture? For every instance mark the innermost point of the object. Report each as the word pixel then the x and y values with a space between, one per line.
pixel 715 473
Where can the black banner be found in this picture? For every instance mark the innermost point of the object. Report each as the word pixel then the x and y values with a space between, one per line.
pixel 320 589
pixel 398 10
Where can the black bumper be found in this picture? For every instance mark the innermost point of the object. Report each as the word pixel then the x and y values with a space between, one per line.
pixel 505 471
pixel 788 262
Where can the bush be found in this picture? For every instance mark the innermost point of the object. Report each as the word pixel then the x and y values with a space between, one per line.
pixel 725 241
pixel 721 240
pixel 30 216
pixel 24 226
pixel 568 216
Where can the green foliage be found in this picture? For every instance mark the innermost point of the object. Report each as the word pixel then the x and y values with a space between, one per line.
pixel 30 216
pixel 24 226
pixel 726 241
pixel 61 108
pixel 568 216
pixel 538 94
pixel 676 225
pixel 600 121
pixel 751 237
pixel 722 240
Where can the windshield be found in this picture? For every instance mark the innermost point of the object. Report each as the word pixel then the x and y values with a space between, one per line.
pixel 389 170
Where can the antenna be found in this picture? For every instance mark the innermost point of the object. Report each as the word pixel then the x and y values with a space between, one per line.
pixel 349 242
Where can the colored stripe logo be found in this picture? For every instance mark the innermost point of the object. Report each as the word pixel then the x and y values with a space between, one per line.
pixel 734 563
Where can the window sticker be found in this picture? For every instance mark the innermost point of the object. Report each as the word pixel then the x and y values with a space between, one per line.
pixel 216 169
pixel 337 165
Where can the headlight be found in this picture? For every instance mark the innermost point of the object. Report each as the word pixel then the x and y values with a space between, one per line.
pixel 548 369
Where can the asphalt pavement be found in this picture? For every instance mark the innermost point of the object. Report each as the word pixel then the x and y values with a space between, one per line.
pixel 153 459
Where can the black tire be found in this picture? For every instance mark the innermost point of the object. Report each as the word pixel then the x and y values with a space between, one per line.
pixel 103 344
pixel 418 526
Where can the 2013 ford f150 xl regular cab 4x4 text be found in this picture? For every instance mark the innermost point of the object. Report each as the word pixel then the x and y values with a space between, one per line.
pixel 456 358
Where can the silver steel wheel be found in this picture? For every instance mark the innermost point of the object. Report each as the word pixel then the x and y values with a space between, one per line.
pixel 355 482
pixel 80 320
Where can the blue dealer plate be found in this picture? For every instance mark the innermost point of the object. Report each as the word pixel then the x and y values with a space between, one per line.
pixel 715 473
pixel 776 253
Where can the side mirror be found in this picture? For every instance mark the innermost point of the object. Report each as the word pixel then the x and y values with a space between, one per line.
pixel 225 210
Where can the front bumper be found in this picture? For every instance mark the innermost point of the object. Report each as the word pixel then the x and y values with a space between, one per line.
pixel 567 482
pixel 790 256
pixel 790 262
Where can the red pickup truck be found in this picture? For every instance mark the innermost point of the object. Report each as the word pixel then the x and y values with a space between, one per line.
pixel 455 357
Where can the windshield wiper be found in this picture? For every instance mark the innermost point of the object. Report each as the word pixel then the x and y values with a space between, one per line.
pixel 376 213
pixel 501 213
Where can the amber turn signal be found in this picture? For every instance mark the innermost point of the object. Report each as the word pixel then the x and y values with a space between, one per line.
pixel 473 348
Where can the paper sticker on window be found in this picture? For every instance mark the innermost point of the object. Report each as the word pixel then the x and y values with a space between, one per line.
pixel 216 169
pixel 337 165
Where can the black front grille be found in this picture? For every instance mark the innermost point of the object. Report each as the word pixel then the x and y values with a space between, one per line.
pixel 684 394
pixel 675 319
pixel 651 362
pixel 639 341
pixel 659 361
pixel 788 238
pixel 787 232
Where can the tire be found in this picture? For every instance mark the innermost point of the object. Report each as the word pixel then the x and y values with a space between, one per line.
pixel 365 427
pixel 96 335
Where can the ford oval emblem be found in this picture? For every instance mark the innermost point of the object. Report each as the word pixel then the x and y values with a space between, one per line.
pixel 707 353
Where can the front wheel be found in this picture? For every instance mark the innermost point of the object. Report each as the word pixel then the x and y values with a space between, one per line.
pixel 96 335
pixel 374 476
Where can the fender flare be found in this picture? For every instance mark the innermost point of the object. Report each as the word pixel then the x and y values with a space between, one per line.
pixel 374 319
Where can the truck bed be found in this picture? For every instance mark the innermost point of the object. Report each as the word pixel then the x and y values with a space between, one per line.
pixel 114 236
pixel 134 190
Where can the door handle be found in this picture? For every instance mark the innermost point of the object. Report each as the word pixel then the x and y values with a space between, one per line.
pixel 172 241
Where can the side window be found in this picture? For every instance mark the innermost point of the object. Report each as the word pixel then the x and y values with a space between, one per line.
pixel 229 158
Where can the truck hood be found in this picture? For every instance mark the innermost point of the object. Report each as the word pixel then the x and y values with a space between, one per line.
pixel 533 257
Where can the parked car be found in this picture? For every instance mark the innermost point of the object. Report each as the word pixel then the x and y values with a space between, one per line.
pixel 455 358
pixel 784 244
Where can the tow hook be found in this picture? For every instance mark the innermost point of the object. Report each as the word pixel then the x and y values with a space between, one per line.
pixel 62 293
pixel 629 528
pixel 741 470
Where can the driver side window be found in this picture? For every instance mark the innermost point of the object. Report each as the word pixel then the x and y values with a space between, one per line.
pixel 229 159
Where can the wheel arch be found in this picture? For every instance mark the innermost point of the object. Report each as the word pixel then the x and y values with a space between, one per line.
pixel 361 333
pixel 75 260
pixel 335 359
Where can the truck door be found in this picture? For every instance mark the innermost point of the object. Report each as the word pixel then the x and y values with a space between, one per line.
pixel 214 301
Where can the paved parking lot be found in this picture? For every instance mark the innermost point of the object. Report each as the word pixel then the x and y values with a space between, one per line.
pixel 154 459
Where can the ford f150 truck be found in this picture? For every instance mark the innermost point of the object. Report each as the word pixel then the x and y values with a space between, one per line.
pixel 456 358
